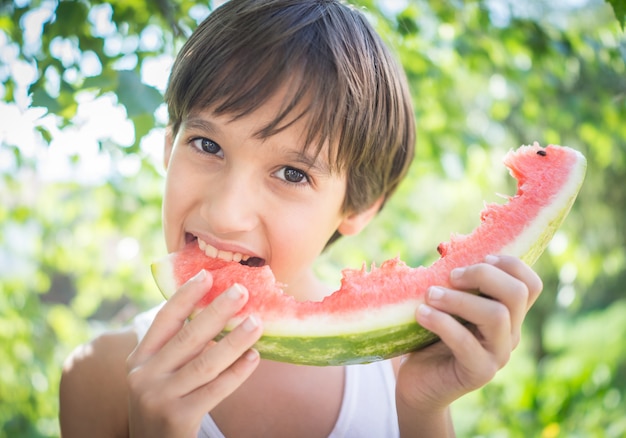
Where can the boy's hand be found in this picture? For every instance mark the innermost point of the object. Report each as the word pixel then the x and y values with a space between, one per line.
pixel 178 372
pixel 468 356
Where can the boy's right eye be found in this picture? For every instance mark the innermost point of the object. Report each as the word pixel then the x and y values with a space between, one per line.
pixel 207 146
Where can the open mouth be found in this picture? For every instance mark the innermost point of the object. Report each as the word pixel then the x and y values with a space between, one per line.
pixel 211 251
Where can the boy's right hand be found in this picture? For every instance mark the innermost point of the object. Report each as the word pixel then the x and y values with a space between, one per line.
pixel 178 372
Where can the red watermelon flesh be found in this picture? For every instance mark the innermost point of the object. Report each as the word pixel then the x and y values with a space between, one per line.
pixel 372 315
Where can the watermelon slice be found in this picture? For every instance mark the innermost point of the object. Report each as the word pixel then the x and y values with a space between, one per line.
pixel 372 316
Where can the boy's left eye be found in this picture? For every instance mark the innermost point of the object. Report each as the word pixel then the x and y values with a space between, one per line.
pixel 292 175
pixel 207 146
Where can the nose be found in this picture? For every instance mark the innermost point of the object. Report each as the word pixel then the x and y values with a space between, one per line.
pixel 230 205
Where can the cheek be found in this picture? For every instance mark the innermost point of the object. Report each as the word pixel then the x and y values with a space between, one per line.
pixel 170 196
pixel 294 248
pixel 306 233
pixel 175 200
pixel 168 219
pixel 179 180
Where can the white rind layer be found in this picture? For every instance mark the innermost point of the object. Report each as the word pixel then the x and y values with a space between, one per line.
pixel 358 321
pixel 164 277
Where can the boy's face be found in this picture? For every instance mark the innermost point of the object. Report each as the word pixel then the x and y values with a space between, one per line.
pixel 247 197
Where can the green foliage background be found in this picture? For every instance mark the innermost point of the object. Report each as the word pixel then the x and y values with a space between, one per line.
pixel 486 76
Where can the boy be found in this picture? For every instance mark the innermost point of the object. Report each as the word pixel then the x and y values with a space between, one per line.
pixel 290 125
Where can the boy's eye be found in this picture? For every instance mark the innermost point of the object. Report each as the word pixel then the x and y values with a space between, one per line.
pixel 292 175
pixel 206 145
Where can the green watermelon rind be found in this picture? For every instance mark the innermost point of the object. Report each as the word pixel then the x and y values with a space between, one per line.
pixel 345 349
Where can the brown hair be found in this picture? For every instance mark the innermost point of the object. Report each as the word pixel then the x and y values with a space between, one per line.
pixel 354 93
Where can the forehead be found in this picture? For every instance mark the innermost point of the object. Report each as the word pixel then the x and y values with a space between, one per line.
pixel 290 99
pixel 293 110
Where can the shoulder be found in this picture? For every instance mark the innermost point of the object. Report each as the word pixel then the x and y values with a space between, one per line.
pixel 396 362
pixel 93 389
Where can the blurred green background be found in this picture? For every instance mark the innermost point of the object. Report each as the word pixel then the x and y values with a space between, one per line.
pixel 81 125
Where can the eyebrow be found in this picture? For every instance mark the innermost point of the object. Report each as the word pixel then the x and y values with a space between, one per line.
pixel 201 124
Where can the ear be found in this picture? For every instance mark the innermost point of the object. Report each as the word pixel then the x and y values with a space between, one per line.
pixel 353 223
pixel 168 146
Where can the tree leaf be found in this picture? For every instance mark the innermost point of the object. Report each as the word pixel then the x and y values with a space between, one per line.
pixel 619 8
pixel 40 98
pixel 137 97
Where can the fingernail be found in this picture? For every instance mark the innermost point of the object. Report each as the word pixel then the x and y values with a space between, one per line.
pixel 435 293
pixel 424 309
pixel 491 259
pixel 456 273
pixel 251 355
pixel 250 323
pixel 234 292
pixel 200 276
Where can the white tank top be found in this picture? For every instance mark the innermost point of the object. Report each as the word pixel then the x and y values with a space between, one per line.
pixel 368 408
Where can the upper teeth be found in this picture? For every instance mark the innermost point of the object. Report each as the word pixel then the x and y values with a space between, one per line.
pixel 213 252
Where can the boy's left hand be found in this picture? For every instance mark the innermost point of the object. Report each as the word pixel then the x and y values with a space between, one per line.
pixel 468 356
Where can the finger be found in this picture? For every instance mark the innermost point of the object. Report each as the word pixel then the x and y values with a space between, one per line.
pixel 216 358
pixel 491 319
pixel 464 346
pixel 497 284
pixel 205 398
pixel 520 270
pixel 171 317
pixel 192 338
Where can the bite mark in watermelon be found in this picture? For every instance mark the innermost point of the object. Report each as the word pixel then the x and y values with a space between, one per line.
pixel 372 316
